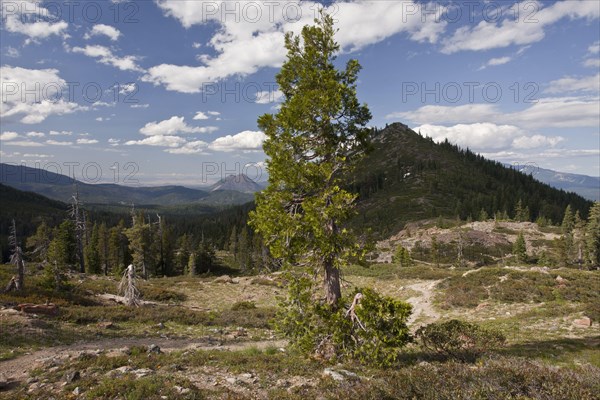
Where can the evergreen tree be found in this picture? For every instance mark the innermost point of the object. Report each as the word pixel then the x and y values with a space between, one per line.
pixel 191 266
pixel 140 244
pixel 566 244
pixel 314 140
pixel 521 212
pixel 483 215
pixel 568 222
pixel 103 248
pixel 61 254
pixel 435 250
pixel 182 254
pixel 402 257
pixel 592 237
pixel 91 252
pixel 244 251
pixel 233 242
pixel 206 259
pixel 520 248
pixel 118 248
pixel 38 243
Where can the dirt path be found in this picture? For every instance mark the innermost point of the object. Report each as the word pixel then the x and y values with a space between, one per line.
pixel 422 305
pixel 18 368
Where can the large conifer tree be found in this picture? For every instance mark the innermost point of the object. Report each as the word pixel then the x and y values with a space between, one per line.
pixel 314 140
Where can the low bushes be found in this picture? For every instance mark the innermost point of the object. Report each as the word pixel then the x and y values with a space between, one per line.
pixel 458 339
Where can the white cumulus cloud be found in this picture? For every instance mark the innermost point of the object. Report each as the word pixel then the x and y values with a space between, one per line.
pixel 245 45
pixel 243 141
pixel 173 126
pixel 529 27
pixel 106 56
pixel 104 30
pixel 32 95
pixel 158 140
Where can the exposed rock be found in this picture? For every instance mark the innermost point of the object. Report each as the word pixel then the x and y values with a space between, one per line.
pixel 154 349
pixel 223 279
pixel 240 332
pixel 72 376
pixel 121 370
pixel 340 374
pixel 560 279
pixel 584 322
pixel 106 325
pixel 181 390
pixel 231 380
pixel 161 325
pixel 76 391
pixel 140 373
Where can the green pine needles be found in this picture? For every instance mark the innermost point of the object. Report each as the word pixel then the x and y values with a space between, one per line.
pixel 313 142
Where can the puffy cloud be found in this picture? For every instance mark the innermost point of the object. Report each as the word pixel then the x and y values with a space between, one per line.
pixel 195 147
pixel 529 27
pixel 87 141
pixel 33 94
pixel 244 141
pixel 488 136
pixel 173 126
pixel 158 140
pixel 496 61
pixel 200 116
pixel 104 30
pixel 60 133
pixel 254 41
pixel 536 141
pixel 36 134
pixel 106 56
pixel 549 112
pixel 6 136
pixel 467 113
pixel 475 136
pixel 32 19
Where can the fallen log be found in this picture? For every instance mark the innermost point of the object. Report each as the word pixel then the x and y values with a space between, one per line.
pixel 46 309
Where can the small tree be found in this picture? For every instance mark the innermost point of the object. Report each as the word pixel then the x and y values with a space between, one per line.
pixel 402 257
pixel 37 244
pixel 520 248
pixel 592 237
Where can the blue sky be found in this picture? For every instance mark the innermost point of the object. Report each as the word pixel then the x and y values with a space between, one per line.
pixel 168 91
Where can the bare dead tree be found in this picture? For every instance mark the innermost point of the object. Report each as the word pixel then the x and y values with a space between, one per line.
pixel 16 256
pixel 80 228
pixel 127 287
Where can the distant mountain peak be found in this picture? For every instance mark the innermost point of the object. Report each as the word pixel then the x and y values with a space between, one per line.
pixel 237 183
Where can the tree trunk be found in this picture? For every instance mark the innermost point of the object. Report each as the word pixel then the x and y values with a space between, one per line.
pixel 333 291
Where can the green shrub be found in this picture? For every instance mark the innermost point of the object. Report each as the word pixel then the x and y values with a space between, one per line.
pixel 153 293
pixel 375 336
pixel 458 339
pixel 243 305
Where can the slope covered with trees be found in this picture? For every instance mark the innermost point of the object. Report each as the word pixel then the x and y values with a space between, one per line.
pixel 408 177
